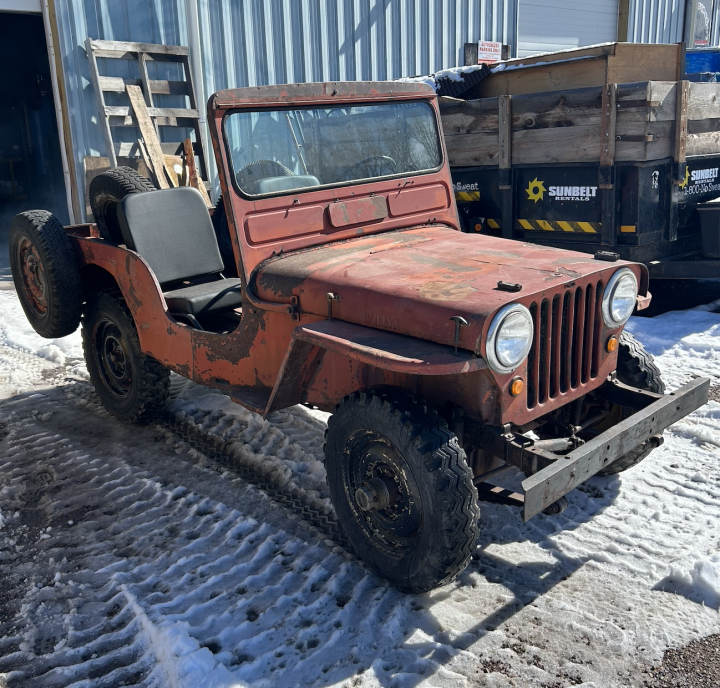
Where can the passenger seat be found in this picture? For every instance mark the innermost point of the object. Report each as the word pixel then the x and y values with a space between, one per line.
pixel 172 230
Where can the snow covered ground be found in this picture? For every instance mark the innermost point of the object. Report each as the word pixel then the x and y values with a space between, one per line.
pixel 128 558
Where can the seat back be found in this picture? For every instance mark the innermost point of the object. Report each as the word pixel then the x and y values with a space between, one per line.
pixel 171 229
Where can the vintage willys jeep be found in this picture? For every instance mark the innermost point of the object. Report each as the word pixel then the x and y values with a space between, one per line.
pixel 333 273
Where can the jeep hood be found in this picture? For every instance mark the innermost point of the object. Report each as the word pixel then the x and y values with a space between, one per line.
pixel 413 281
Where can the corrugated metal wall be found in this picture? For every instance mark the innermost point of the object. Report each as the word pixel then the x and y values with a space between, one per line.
pixel 256 42
pixel 656 21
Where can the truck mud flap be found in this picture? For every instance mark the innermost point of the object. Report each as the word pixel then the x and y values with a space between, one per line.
pixel 554 481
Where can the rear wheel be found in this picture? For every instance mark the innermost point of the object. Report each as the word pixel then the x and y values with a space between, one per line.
pixel 402 489
pixel 45 273
pixel 106 193
pixel 636 367
pixel 130 384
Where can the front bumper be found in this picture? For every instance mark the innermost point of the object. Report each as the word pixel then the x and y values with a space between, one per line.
pixel 558 474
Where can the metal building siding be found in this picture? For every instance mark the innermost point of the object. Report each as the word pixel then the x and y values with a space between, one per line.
pixel 257 42
pixel 550 25
pixel 656 21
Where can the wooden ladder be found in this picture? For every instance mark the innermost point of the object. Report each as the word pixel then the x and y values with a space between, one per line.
pixel 124 115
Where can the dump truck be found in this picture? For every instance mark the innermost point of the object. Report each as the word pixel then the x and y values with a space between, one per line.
pixel 334 273
pixel 601 148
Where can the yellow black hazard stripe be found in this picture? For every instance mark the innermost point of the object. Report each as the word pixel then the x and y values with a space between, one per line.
pixel 551 226
pixel 467 196
pixel 558 226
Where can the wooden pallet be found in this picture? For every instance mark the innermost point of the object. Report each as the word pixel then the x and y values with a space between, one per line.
pixel 124 115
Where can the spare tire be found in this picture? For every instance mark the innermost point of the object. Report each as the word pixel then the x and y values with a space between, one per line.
pixel 107 191
pixel 46 274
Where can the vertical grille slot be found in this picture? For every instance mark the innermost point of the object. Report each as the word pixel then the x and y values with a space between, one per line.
pixel 564 354
pixel 533 360
pixel 555 346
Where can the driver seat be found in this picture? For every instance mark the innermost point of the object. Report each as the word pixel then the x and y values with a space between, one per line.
pixel 171 229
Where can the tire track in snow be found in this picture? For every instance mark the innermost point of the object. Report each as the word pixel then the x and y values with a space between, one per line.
pixel 121 574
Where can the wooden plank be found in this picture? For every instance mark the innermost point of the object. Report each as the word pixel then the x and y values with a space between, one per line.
pixel 607 127
pixel 142 66
pixel 146 161
pixel 130 149
pixel 116 84
pixel 584 72
pixel 127 47
pixel 192 174
pixel 702 144
pixel 150 138
pixel 649 62
pixel 505 131
pixel 599 50
pixel 171 162
pixel 681 126
pixel 125 111
pixel 100 103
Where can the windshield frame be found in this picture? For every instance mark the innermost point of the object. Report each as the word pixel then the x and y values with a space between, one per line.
pixel 328 106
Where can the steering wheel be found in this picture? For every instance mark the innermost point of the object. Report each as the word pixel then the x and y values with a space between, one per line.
pixel 374 166
pixel 248 176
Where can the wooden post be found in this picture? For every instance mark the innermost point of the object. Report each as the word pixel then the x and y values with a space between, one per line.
pixel 193 179
pixel 470 54
pixel 505 164
pixel 607 160
pixel 149 135
pixel 682 99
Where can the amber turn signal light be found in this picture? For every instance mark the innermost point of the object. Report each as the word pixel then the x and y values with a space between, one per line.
pixel 516 386
pixel 612 344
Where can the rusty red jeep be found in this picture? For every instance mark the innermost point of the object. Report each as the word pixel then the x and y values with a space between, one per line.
pixel 333 273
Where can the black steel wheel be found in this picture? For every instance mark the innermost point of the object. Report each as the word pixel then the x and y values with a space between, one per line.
pixel 106 193
pixel 46 274
pixel 636 367
pixel 131 385
pixel 402 489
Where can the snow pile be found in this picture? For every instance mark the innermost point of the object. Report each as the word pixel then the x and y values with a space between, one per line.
pixel 701 583
pixel 25 356
pixel 452 74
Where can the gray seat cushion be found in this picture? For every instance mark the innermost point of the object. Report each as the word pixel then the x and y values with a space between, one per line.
pixel 200 299
pixel 171 229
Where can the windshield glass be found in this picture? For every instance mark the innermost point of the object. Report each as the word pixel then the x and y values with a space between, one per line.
pixel 282 150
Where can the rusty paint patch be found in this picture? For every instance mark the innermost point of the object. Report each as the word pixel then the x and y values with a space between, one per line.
pixel 445 291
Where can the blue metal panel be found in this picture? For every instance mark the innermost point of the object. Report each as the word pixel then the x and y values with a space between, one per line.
pixel 257 42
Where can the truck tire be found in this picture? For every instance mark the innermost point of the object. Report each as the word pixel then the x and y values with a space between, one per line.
pixel 402 489
pixel 130 384
pixel 107 191
pixel 46 274
pixel 636 367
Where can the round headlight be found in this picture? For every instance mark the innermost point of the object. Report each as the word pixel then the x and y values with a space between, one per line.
pixel 619 298
pixel 509 338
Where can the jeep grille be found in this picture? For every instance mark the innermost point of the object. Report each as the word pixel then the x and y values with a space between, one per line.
pixel 564 354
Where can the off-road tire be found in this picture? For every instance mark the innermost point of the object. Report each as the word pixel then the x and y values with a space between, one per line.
pixel 50 294
pixel 222 234
pixel 441 547
pixel 107 191
pixel 635 367
pixel 149 383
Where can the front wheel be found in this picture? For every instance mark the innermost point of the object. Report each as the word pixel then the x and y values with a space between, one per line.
pixel 130 384
pixel 402 489
pixel 635 367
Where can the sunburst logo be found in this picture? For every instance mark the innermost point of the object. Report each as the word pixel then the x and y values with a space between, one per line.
pixel 535 190
pixel 684 182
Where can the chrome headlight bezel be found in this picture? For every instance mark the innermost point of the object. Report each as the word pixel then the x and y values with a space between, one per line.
pixel 493 332
pixel 609 294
